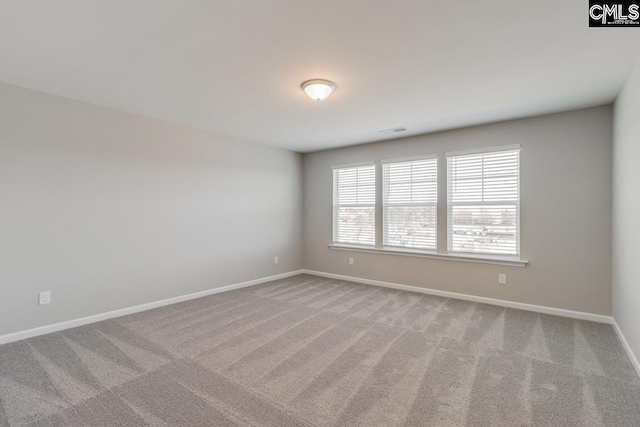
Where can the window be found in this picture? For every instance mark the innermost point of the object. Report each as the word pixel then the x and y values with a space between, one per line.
pixel 483 206
pixel 409 203
pixel 483 201
pixel 354 204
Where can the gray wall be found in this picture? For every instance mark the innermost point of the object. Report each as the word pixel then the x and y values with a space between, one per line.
pixel 626 210
pixel 565 208
pixel 108 209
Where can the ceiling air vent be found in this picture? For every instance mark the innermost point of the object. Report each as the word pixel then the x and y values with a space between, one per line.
pixel 393 130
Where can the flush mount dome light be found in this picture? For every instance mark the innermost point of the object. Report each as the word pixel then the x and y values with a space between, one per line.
pixel 318 89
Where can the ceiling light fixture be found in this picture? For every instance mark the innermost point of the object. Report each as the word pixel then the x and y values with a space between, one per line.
pixel 318 89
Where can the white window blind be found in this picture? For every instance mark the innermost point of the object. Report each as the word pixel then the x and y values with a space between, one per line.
pixel 354 201
pixel 483 202
pixel 409 203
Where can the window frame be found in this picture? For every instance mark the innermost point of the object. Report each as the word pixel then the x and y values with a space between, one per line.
pixel 517 203
pixel 335 207
pixel 384 204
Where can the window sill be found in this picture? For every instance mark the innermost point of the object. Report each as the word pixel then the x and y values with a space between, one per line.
pixel 424 254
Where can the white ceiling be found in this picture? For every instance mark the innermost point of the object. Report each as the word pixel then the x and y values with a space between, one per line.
pixel 235 67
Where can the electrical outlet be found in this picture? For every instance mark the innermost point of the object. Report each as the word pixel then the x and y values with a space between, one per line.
pixel 350 260
pixel 275 260
pixel 502 279
pixel 44 298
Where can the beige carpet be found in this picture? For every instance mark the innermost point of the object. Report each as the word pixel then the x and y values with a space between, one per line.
pixel 309 351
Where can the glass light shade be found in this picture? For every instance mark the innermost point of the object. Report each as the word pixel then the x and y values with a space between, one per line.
pixel 318 89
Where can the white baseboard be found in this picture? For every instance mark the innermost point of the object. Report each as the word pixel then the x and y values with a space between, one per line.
pixel 627 347
pixel 29 333
pixel 503 303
